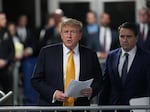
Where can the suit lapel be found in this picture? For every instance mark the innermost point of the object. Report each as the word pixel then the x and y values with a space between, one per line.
pixel 60 64
pixel 134 64
pixel 82 63
pixel 148 34
pixel 117 64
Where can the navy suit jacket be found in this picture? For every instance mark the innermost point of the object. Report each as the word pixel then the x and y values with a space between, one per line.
pixel 137 83
pixel 48 74
pixel 146 43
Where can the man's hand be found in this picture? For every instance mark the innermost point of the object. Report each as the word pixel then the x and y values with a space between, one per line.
pixel 87 92
pixel 2 63
pixel 27 52
pixel 60 96
pixel 102 55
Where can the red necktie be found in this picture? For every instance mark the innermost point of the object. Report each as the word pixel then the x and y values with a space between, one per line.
pixel 104 44
pixel 142 33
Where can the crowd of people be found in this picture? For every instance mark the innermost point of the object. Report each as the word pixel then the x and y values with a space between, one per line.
pixel 123 76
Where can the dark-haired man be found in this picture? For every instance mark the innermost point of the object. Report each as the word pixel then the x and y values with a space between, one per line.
pixel 127 73
pixel 143 27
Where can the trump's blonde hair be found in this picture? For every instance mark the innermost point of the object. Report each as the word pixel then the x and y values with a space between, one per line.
pixel 71 22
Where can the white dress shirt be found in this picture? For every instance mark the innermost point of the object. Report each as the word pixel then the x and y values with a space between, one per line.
pixel 107 32
pixel 131 56
pixel 76 57
pixel 22 33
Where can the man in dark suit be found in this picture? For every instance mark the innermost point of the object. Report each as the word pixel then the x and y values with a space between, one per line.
pixel 90 30
pixel 107 38
pixel 27 38
pixel 49 34
pixel 127 73
pixel 144 28
pixel 6 55
pixel 51 73
pixel 101 38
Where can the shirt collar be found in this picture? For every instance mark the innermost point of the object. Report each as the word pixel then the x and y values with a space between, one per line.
pixel 131 52
pixel 143 24
pixel 75 50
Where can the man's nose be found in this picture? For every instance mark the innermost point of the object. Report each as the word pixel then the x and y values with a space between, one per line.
pixel 125 38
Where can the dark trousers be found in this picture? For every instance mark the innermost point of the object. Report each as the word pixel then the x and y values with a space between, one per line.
pixel 30 95
pixel 6 80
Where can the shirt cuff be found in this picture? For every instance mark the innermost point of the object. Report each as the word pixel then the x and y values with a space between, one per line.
pixel 53 101
pixel 98 54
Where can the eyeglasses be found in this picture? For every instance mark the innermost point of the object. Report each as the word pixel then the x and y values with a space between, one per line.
pixel 70 32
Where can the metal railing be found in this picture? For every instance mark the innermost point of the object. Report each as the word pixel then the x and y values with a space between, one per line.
pixel 77 108
pixel 7 99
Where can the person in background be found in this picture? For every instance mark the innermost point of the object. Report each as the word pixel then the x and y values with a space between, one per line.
pixel 50 33
pixel 108 38
pixel 58 14
pixel 6 55
pixel 29 42
pixel 144 28
pixel 15 66
pixel 45 33
pixel 127 73
pixel 17 44
pixel 90 31
pixel 100 38
pixel 60 63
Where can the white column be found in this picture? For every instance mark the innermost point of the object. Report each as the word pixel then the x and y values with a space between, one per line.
pixel 97 7
pixel 1 7
pixel 139 4
pixel 100 8
pixel 52 5
pixel 37 13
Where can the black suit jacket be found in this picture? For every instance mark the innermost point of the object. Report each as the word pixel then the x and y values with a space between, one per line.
pixel 30 41
pixel 48 74
pixel 137 82
pixel 7 51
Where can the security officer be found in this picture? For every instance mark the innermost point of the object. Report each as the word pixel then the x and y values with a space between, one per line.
pixel 6 55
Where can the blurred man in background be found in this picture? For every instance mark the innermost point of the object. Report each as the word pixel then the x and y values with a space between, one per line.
pixel 108 38
pixel 144 28
pixel 29 42
pixel 100 38
pixel 90 31
pixel 6 55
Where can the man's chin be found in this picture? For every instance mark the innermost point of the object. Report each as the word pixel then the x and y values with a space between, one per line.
pixel 69 46
pixel 126 49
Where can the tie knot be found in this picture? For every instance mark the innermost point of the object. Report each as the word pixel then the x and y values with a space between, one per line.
pixel 126 54
pixel 71 52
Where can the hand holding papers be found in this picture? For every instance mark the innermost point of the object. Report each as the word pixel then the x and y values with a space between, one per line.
pixel 75 87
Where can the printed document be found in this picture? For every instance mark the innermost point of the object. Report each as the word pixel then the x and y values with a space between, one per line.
pixel 75 87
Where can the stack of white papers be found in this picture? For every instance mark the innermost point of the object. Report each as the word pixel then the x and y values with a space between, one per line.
pixel 75 87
